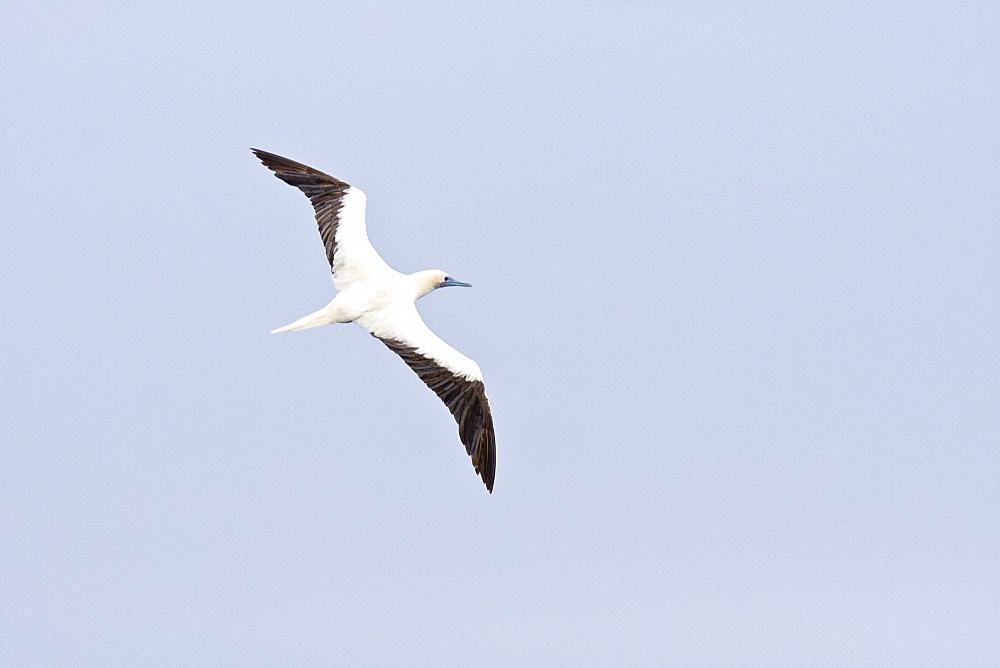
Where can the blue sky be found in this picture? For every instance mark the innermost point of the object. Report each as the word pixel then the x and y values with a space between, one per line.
pixel 735 300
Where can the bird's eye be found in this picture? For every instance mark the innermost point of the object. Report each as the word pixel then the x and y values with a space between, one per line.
pixel 447 278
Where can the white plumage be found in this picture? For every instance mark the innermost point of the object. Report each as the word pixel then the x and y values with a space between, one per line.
pixel 382 300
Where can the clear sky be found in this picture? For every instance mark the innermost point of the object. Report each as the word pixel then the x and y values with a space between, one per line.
pixel 736 302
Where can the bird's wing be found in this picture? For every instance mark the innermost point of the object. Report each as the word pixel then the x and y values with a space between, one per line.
pixel 455 378
pixel 340 214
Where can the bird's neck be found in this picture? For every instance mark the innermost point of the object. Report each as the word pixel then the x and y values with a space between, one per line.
pixel 424 283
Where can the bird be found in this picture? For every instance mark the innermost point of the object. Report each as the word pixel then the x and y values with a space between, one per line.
pixel 383 302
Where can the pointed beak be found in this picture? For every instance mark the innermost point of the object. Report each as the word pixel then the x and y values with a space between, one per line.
pixel 452 283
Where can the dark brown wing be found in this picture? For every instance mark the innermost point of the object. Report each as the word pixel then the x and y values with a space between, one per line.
pixel 466 399
pixel 325 192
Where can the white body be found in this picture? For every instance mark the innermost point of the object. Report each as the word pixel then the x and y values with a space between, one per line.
pixel 379 298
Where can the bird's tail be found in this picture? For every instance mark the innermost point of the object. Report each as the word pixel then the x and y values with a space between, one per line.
pixel 320 317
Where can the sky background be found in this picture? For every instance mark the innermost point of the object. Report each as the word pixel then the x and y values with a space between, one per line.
pixel 736 302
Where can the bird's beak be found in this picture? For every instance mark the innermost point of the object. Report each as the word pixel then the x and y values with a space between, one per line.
pixel 452 283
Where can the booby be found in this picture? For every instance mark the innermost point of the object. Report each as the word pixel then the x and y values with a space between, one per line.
pixel 383 301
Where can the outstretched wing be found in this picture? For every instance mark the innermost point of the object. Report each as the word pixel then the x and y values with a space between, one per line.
pixel 340 214
pixel 455 378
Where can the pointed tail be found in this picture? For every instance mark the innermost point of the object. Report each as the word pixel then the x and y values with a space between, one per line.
pixel 320 317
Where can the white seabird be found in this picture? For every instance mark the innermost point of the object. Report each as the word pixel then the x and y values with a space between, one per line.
pixel 383 301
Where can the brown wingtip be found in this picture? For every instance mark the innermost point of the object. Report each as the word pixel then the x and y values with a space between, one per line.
pixel 264 156
pixel 476 430
pixel 274 162
pixel 487 464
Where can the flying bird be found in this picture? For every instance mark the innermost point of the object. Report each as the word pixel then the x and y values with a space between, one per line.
pixel 383 301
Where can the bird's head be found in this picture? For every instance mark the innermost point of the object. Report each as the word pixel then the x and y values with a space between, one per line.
pixel 449 282
pixel 431 280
